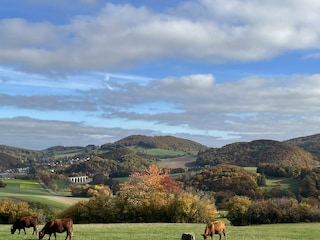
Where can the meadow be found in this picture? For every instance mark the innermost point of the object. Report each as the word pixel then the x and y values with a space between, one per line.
pixel 28 190
pixel 21 189
pixel 173 231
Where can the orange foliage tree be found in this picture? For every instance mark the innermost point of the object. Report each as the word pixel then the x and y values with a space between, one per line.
pixel 152 195
pixel 148 196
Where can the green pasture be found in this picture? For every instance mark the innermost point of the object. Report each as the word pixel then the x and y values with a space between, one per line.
pixel 173 231
pixel 271 182
pixel 22 187
pixel 251 169
pixel 158 152
pixel 27 190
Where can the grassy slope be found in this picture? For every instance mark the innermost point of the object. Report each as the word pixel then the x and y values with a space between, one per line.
pixel 26 190
pixel 285 183
pixel 163 231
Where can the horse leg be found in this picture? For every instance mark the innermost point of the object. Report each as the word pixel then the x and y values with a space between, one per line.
pixel 68 235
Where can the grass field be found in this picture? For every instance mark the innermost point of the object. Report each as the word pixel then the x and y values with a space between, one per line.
pixel 27 190
pixel 167 231
pixel 153 231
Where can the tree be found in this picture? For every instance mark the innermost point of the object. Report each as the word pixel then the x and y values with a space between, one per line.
pixel 237 210
pixel 148 196
pixel 149 193
pixel 188 207
pixel 9 211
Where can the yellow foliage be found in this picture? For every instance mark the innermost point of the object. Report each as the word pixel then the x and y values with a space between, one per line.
pixel 147 187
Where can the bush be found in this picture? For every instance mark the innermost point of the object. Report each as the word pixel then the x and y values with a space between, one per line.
pixel 9 211
pixel 149 196
pixel 238 209
pixel 274 210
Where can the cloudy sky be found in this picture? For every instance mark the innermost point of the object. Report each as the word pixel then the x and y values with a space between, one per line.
pixel 79 72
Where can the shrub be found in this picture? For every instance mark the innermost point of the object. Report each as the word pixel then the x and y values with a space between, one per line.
pixel 274 210
pixel 238 209
pixel 9 211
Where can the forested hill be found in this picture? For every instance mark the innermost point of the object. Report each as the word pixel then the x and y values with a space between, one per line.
pixel 8 162
pixel 256 152
pixel 309 143
pixel 17 156
pixel 162 142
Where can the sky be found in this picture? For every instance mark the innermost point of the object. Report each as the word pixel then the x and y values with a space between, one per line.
pixel 81 72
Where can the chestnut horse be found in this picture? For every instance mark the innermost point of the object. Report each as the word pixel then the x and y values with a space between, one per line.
pixel 212 228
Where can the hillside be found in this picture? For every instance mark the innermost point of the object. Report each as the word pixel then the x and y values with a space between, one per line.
pixel 161 142
pixel 303 151
pixel 23 155
pixel 8 162
pixel 14 157
pixel 226 178
pixel 309 143
pixel 256 152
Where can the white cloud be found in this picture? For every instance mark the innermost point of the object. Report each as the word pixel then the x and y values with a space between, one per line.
pixel 84 66
pixel 123 35
pixel 193 82
pixel 243 110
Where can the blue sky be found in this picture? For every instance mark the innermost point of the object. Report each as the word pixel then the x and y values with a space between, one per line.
pixel 79 72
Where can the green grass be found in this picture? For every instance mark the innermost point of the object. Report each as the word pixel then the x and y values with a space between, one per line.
pixel 271 182
pixel 251 169
pixel 167 231
pixel 158 152
pixel 22 187
pixel 28 191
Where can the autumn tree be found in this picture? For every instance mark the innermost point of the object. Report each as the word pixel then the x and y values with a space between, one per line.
pixel 237 210
pixel 146 195
pixel 10 211
pixel 152 195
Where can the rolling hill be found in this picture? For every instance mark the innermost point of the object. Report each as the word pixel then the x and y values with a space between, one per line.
pixel 309 143
pixel 257 152
pixel 161 142
pixel 304 151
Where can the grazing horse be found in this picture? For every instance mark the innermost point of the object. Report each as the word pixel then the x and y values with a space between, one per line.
pixel 57 226
pixel 25 222
pixel 212 228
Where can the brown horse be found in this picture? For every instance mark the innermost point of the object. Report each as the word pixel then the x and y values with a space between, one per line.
pixel 212 228
pixel 57 226
pixel 25 222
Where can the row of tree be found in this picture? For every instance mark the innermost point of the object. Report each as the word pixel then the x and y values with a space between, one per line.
pixel 10 211
pixel 148 196
pixel 243 211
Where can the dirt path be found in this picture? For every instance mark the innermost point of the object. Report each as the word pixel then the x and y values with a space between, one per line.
pixel 64 200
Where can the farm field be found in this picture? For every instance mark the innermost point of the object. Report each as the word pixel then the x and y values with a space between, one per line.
pixel 26 190
pixel 166 231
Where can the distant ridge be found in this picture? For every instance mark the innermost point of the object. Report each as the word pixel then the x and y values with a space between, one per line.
pixel 256 152
pixel 308 143
pixel 163 142
pixel 13 156
pixel 301 151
